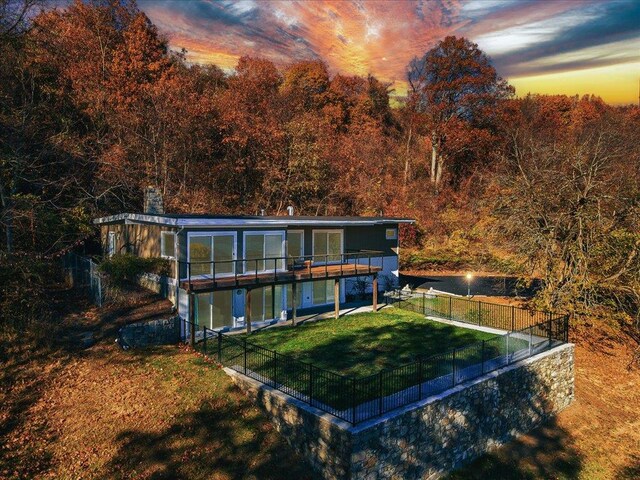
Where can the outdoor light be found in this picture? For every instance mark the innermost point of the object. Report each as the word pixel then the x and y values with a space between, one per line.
pixel 469 277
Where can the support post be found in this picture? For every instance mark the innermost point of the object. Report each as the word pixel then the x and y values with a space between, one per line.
pixel 294 294
pixel 273 300
pixel 375 292
pixel 247 309
pixel 192 319
pixel 336 297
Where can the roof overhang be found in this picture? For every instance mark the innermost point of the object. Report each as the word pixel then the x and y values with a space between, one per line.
pixel 246 222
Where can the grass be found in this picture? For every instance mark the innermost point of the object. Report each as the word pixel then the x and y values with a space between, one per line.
pixel 163 412
pixel 364 343
pixel 356 358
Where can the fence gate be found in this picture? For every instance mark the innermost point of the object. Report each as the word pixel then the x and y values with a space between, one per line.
pixel 82 274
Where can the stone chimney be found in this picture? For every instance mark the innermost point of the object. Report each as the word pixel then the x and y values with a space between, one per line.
pixel 153 204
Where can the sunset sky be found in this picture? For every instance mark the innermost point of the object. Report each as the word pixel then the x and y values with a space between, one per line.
pixel 541 46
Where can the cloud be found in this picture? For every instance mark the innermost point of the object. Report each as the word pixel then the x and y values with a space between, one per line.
pixel 523 37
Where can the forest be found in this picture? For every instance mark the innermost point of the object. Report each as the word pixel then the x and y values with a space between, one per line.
pixel 95 106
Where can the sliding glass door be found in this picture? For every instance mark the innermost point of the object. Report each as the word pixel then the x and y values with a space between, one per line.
pixel 215 310
pixel 263 251
pixel 266 304
pixel 327 246
pixel 206 248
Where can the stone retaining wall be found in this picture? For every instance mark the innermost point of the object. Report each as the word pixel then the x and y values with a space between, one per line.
pixel 155 332
pixel 428 438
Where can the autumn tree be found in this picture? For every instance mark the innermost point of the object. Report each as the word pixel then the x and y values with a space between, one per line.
pixel 456 90
pixel 568 201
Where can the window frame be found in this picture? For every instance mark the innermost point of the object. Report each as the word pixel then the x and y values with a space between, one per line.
pixel 214 234
pixel 327 231
pixel 163 243
pixel 283 265
pixel 395 233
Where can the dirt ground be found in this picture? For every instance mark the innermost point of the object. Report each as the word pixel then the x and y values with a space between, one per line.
pixel 99 412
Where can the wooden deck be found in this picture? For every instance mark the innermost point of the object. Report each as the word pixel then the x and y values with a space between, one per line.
pixel 252 280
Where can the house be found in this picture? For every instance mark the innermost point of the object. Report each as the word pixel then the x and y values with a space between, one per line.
pixel 238 271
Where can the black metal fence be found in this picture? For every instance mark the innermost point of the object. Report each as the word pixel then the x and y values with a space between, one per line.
pixel 493 315
pixel 356 399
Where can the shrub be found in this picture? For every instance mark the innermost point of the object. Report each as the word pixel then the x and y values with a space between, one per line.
pixel 123 269
pixel 25 283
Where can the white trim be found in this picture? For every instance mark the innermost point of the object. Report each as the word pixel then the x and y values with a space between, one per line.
pixel 324 230
pixel 282 233
pixel 281 222
pixel 214 234
pixel 162 244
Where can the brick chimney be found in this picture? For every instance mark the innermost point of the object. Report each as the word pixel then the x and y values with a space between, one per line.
pixel 153 203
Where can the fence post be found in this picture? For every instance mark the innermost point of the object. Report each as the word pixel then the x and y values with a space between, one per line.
pixel 245 355
pixel 275 368
pixel 220 348
pixel 482 358
pixel 453 368
pixel 550 339
pixel 513 318
pixel 419 378
pixel 566 328
pixel 479 312
pixel 507 336
pixel 423 310
pixel 530 340
pixel 353 400
pixel 380 402
pixel 450 311
pixel 204 341
pixel 311 384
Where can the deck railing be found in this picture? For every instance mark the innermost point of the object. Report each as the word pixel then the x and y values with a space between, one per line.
pixel 274 268
pixel 356 399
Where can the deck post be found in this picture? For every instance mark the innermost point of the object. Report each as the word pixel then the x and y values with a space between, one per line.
pixel 192 319
pixel 294 291
pixel 273 300
pixel 336 296
pixel 247 309
pixel 375 292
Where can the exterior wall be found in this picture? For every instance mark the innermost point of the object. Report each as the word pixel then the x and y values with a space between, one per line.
pixel 144 240
pixel 431 437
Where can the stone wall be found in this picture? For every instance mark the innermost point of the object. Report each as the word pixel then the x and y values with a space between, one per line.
pixel 155 332
pixel 430 437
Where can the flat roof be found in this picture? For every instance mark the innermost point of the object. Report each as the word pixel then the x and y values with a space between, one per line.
pixel 208 220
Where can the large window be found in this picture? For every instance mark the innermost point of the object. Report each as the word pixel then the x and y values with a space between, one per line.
pixel 215 310
pixel 168 245
pixel 323 292
pixel 207 248
pixel 264 304
pixel 327 244
pixel 259 246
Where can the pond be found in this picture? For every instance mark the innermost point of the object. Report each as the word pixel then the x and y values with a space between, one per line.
pixel 491 285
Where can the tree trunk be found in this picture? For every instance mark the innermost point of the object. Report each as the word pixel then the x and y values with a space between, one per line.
pixel 7 210
pixel 406 160
pixel 434 158
pixel 439 170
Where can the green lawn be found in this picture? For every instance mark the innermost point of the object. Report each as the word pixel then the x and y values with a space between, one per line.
pixel 363 344
pixel 358 357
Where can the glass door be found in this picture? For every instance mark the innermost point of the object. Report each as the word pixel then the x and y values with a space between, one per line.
pixel 265 305
pixel 327 246
pixel 215 310
pixel 205 249
pixel 263 251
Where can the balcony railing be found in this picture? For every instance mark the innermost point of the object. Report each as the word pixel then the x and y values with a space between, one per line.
pixel 238 272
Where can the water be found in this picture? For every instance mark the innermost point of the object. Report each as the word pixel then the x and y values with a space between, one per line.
pixel 495 285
